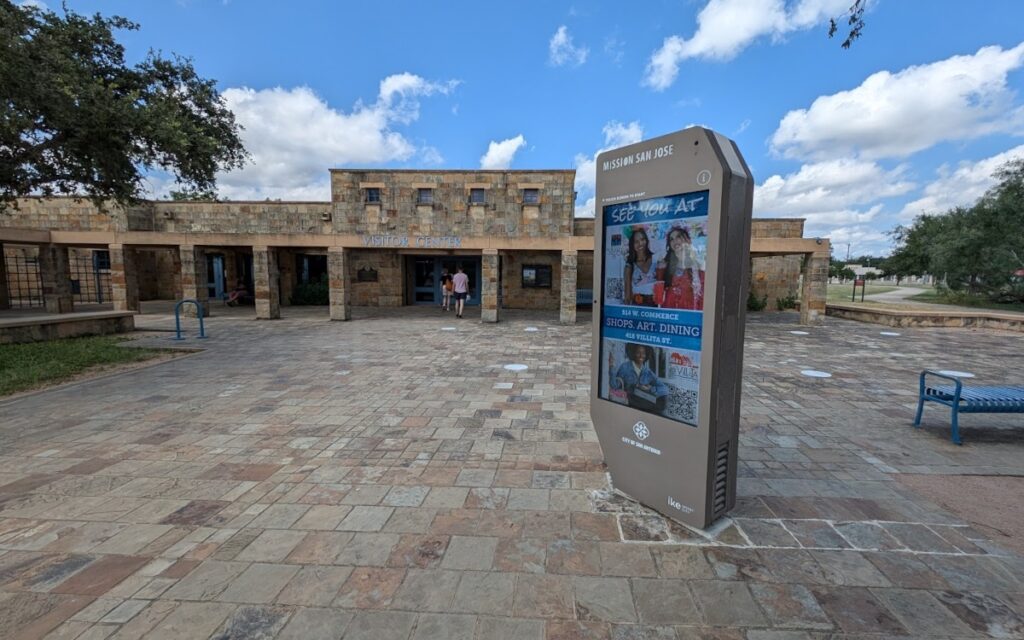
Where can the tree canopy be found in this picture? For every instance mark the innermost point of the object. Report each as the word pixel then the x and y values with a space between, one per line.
pixel 977 250
pixel 78 120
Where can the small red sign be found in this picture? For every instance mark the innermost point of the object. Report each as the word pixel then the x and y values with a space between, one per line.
pixel 858 283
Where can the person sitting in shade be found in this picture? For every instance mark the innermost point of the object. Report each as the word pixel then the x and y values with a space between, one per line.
pixel 236 296
pixel 645 390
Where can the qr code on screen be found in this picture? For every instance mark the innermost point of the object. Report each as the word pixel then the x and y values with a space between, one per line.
pixel 682 405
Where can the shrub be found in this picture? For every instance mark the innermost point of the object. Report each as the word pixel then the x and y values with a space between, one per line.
pixel 756 304
pixel 789 302
pixel 312 293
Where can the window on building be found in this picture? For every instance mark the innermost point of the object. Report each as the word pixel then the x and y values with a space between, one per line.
pixel 531 196
pixel 536 276
pixel 373 195
pixel 477 196
pixel 424 196
pixel 100 259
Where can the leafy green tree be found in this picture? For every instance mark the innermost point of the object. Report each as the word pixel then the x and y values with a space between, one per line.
pixel 77 120
pixel 974 250
pixel 846 273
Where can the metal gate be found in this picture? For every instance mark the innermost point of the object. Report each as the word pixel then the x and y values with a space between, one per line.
pixel 24 282
pixel 90 276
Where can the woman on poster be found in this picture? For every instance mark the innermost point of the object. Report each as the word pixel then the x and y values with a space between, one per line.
pixel 644 389
pixel 681 274
pixel 639 274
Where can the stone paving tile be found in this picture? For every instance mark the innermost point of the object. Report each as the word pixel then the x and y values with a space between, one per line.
pixel 271 546
pixel 604 600
pixel 921 613
pixel 790 606
pixel 32 615
pixel 509 628
pixel 207 581
pixel 427 590
pixel 470 553
pixel 726 603
pixel 493 483
pixel 380 625
pixel 101 576
pixel 369 588
pixel 367 549
pixel 316 624
pixel 855 610
pixel 253 623
pixel 485 593
pixel 314 586
pixel 435 626
pixel 191 619
pixel 543 596
pixel 664 602
pixel 259 583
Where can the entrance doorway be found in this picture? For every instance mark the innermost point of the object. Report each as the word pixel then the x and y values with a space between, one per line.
pixel 425 285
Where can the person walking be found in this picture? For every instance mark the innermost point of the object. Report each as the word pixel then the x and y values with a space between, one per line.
pixel 460 284
pixel 446 291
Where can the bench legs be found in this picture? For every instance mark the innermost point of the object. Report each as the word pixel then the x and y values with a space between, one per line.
pixel 956 427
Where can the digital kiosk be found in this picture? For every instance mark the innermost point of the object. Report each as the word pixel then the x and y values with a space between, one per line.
pixel 671 270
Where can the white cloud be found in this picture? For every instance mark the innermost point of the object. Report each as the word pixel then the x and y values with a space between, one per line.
pixel 616 135
pixel 830 186
pixel 561 50
pixel 727 27
pixel 961 187
pixel 863 240
pixel 294 136
pixel 615 49
pixel 35 4
pixel 897 114
pixel 499 154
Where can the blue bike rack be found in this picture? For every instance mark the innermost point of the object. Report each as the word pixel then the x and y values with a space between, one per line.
pixel 177 318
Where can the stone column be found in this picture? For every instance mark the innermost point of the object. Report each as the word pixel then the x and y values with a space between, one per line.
pixel 814 289
pixel 567 310
pixel 265 280
pixel 124 278
pixel 337 275
pixel 489 286
pixel 5 294
pixel 193 278
pixel 55 272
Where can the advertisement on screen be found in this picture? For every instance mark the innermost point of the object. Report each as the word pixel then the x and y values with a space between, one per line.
pixel 653 304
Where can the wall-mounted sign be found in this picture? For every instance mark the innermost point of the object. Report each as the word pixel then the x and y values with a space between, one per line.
pixel 417 242
pixel 366 274
pixel 672 264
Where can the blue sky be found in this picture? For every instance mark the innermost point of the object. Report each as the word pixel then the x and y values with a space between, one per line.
pixel 915 117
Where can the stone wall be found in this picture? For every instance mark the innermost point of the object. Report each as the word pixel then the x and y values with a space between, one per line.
pixel 503 214
pixel 514 296
pixel 387 291
pixel 777 228
pixel 776 277
pixel 585 270
pixel 63 214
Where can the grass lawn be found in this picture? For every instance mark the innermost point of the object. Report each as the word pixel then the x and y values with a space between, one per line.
pixel 26 366
pixel 934 297
pixel 842 292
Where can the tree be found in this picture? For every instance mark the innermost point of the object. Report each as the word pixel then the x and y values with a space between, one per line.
pixel 193 194
pixel 854 20
pixel 77 120
pixel 976 250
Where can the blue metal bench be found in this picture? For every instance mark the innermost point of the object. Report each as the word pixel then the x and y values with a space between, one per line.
pixel 963 399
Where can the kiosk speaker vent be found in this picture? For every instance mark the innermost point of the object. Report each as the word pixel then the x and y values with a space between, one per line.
pixel 720 495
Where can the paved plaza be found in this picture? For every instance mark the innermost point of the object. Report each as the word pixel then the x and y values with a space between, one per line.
pixel 389 478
